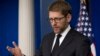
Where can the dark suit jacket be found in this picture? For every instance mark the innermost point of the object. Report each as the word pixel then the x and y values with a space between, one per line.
pixel 74 44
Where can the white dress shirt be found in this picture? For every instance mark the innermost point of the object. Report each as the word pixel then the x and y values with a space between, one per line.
pixel 63 34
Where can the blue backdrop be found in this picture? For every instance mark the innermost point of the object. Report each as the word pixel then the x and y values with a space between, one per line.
pixel 8 24
pixel 9 21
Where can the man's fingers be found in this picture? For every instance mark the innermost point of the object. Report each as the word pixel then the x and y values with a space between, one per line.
pixel 15 45
pixel 10 49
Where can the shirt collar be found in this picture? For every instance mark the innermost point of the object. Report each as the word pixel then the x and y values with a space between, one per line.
pixel 65 32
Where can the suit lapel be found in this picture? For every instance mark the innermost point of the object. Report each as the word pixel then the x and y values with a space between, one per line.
pixel 66 41
pixel 50 42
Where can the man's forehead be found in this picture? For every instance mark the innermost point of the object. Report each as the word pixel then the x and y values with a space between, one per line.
pixel 54 13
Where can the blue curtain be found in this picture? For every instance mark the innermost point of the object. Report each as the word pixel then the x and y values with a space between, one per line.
pixel 8 24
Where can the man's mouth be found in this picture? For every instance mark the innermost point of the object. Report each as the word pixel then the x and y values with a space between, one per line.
pixel 56 28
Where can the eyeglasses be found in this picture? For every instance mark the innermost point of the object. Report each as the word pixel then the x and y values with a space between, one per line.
pixel 56 19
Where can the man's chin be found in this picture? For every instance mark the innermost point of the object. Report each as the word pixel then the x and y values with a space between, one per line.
pixel 56 32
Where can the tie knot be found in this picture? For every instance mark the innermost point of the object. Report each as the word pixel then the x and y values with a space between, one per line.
pixel 58 36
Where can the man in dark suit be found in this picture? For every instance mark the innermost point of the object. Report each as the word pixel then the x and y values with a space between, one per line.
pixel 63 41
pixel 71 43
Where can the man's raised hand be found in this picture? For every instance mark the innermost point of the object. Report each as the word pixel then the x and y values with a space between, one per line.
pixel 16 51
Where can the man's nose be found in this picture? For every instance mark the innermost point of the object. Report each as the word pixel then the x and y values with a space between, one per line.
pixel 54 22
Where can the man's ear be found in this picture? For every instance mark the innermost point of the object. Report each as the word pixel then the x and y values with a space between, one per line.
pixel 69 17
